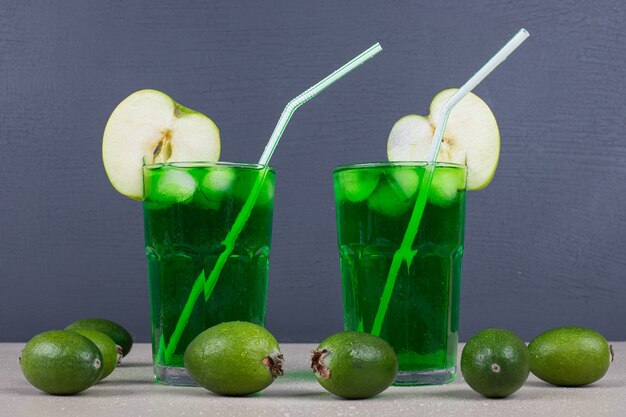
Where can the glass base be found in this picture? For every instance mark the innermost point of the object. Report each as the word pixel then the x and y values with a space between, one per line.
pixel 431 377
pixel 170 375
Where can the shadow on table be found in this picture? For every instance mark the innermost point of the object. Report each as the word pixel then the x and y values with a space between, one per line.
pixel 26 392
pixel 123 382
pixel 467 394
pixel 297 376
pixel 105 392
pixel 324 396
pixel 602 384
pixel 135 365
pixel 288 392
pixel 33 393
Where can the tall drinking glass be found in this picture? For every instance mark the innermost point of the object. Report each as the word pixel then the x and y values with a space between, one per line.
pixel 189 209
pixel 374 203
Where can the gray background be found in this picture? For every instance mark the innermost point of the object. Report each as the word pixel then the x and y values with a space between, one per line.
pixel 544 243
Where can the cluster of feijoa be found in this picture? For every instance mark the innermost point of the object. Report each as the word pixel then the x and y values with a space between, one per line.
pixel 240 358
pixel 496 362
pixel 69 361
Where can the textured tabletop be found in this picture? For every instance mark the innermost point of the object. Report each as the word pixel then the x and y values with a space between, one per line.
pixel 130 391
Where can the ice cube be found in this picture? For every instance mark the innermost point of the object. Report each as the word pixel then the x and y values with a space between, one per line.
pixel 214 186
pixel 445 185
pixel 356 185
pixel 218 179
pixel 404 181
pixel 266 194
pixel 247 183
pixel 173 186
pixel 387 201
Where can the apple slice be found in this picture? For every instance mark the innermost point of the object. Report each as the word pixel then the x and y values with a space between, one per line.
pixel 148 126
pixel 471 137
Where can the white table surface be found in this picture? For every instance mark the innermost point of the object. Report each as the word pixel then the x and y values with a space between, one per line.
pixel 131 391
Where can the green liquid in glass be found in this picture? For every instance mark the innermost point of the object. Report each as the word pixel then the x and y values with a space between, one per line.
pixel 188 211
pixel 374 205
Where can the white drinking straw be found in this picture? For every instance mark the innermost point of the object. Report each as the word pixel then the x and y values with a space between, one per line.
pixel 482 73
pixel 293 105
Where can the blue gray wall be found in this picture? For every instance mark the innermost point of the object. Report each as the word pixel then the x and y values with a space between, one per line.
pixel 544 243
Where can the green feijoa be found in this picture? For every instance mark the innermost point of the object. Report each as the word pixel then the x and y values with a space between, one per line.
pixel 234 358
pixel 111 353
pixel 354 365
pixel 61 362
pixel 570 356
pixel 495 363
pixel 120 335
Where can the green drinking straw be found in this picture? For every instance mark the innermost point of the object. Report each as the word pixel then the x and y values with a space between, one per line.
pixel 208 284
pixel 405 253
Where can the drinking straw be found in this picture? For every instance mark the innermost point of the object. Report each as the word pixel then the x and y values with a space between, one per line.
pixel 405 253
pixel 208 284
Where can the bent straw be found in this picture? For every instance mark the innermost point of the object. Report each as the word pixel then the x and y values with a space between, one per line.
pixel 405 252
pixel 229 242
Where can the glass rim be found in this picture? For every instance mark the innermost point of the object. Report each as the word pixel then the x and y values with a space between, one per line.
pixel 206 164
pixel 389 164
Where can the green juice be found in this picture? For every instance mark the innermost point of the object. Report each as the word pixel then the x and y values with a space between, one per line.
pixel 189 208
pixel 374 204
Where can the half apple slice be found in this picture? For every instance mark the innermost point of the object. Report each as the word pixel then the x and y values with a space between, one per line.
pixel 149 127
pixel 471 138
